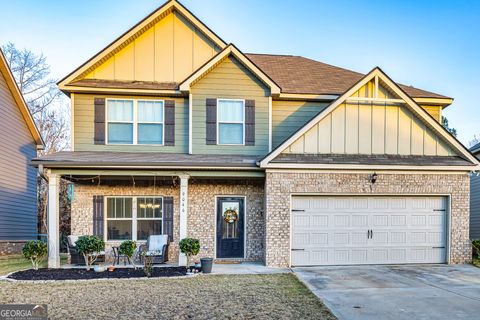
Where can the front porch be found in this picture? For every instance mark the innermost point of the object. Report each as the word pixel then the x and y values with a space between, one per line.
pixel 188 208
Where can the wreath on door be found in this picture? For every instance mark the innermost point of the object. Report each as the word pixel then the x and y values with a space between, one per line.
pixel 230 215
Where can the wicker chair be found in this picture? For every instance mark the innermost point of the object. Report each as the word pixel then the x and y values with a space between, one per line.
pixel 75 256
pixel 157 246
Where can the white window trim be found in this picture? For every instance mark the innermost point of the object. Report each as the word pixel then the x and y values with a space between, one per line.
pixel 231 122
pixel 135 122
pixel 134 218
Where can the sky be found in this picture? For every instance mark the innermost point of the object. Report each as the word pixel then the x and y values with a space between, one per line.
pixel 433 45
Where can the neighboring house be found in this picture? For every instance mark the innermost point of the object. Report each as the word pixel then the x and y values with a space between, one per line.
pixel 18 186
pixel 475 198
pixel 271 158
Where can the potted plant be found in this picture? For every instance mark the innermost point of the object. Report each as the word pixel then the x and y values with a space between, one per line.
pixel 127 248
pixel 35 251
pixel 90 247
pixel 190 247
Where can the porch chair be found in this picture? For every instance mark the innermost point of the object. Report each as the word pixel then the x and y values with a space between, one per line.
pixel 75 256
pixel 157 247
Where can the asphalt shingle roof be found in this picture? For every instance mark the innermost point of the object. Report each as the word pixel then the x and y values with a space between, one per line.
pixel 295 74
pixel 146 159
pixel 375 159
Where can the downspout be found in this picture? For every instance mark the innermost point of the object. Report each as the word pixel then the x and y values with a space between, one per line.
pixel 42 173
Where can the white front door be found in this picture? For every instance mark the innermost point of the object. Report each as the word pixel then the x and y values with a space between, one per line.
pixel 348 230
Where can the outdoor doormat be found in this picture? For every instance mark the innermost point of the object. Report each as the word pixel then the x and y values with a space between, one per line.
pixel 82 274
pixel 227 262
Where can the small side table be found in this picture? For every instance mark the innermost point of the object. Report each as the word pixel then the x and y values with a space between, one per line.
pixel 117 256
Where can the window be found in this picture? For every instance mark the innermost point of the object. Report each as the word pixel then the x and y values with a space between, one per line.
pixel 230 121
pixel 150 122
pixel 134 218
pixel 120 121
pixel 135 121
pixel 149 217
pixel 119 218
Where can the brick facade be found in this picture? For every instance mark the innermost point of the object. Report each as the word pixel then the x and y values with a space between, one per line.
pixel 280 185
pixel 201 211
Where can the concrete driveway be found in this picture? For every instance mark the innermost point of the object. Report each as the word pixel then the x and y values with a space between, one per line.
pixel 397 292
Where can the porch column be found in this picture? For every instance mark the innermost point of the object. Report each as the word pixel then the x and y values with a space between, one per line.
pixel 182 258
pixel 53 221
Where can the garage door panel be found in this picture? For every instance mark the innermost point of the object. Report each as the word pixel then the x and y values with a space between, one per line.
pixel 319 239
pixel 301 240
pixel 380 238
pixel 301 220
pixel 332 230
pixel 319 221
pixel 341 220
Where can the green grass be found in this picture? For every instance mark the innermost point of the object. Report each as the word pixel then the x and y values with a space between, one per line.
pixel 18 262
pixel 476 262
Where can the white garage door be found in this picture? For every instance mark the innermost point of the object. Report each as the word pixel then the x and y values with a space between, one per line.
pixel 338 230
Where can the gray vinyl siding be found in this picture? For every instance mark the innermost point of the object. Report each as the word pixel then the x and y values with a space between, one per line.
pixel 84 126
pixel 230 80
pixel 18 198
pixel 475 207
pixel 289 116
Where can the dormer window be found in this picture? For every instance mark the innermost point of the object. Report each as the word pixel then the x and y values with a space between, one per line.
pixel 231 122
pixel 135 122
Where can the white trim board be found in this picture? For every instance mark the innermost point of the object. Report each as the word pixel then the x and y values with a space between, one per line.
pixel 418 111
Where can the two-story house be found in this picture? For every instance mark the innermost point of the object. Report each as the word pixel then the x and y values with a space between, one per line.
pixel 19 142
pixel 271 158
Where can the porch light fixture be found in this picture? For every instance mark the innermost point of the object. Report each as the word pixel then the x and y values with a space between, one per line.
pixel 373 177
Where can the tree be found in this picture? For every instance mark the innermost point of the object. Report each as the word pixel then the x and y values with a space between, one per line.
pixel 49 109
pixel 32 73
pixel 190 247
pixel 474 141
pixel 453 131
pixel 90 247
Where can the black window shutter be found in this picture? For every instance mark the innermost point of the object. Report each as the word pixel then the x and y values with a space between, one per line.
pixel 98 216
pixel 168 217
pixel 211 121
pixel 169 122
pixel 99 135
pixel 249 122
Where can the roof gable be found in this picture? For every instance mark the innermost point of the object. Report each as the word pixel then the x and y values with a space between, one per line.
pixel 230 50
pixel 375 88
pixel 133 56
pixel 20 102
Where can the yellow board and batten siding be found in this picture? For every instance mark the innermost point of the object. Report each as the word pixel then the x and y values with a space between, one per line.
pixel 169 51
pixel 229 80
pixel 371 128
pixel 84 126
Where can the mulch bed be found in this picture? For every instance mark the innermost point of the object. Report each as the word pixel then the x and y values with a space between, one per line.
pixel 82 274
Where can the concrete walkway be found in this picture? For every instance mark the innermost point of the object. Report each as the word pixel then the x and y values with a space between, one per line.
pixel 397 292
pixel 245 268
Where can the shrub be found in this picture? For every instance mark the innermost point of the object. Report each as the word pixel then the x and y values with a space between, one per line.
pixel 89 247
pixel 476 246
pixel 127 248
pixel 35 251
pixel 190 247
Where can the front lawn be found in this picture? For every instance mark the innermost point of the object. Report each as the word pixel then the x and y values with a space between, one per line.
pixel 278 296
pixel 18 262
